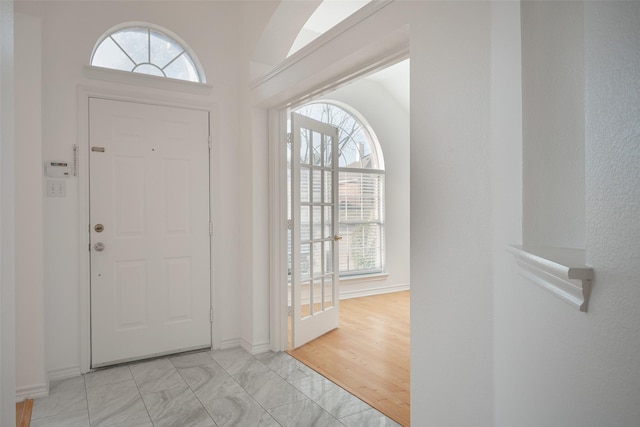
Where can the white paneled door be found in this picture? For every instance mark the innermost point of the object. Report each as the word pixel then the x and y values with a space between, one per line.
pixel 149 230
pixel 314 260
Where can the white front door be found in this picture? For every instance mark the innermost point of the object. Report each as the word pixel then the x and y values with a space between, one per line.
pixel 314 261
pixel 149 230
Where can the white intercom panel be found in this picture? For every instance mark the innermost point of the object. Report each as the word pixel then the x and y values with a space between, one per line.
pixel 58 169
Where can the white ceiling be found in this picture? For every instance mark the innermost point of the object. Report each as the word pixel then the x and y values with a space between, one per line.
pixel 330 12
pixel 326 16
pixel 395 80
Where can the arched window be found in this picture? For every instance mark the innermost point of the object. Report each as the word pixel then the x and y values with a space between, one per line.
pixel 360 190
pixel 147 50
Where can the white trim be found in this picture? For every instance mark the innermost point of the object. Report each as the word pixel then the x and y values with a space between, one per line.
pixel 561 271
pixel 340 28
pixel 140 95
pixel 64 373
pixel 255 348
pixel 277 241
pixel 230 343
pixel 7 218
pixel 363 278
pixel 32 392
pixel 348 294
pixel 145 80
pixel 385 53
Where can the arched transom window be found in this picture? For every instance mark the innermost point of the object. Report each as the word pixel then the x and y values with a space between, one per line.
pixel 360 190
pixel 147 50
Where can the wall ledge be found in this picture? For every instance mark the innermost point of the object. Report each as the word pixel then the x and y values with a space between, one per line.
pixel 561 271
pixel 137 79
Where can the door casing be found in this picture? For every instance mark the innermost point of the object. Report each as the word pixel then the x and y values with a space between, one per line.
pixel 114 91
pixel 186 253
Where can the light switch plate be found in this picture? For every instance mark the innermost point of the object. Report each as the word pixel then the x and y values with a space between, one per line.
pixel 56 188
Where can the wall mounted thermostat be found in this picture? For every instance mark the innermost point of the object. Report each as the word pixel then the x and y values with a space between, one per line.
pixel 58 169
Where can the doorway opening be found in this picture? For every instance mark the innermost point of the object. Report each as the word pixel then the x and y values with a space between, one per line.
pixel 381 102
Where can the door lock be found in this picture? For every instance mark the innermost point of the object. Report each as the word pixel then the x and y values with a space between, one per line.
pixel 99 228
pixel 99 247
pixel 336 237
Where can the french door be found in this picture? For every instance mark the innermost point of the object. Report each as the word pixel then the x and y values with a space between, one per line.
pixel 149 230
pixel 314 239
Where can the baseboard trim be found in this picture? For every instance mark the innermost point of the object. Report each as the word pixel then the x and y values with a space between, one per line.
pixel 346 294
pixel 232 343
pixel 255 348
pixel 32 392
pixel 64 373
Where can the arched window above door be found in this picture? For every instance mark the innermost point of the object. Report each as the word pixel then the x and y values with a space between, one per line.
pixel 147 49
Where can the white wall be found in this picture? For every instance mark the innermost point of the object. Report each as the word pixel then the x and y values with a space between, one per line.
pixel 553 124
pixel 451 284
pixel 7 219
pixel 31 380
pixel 451 300
pixel 555 365
pixel 390 122
pixel 551 365
pixel 69 32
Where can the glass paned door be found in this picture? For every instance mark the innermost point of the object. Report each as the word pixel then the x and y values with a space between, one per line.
pixel 314 165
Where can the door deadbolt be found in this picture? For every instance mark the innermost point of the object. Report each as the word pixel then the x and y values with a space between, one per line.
pixel 99 247
pixel 99 228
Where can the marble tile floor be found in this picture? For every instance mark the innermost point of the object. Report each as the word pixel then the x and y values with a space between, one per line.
pixel 205 389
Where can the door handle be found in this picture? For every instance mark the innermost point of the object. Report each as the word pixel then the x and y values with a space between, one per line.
pixel 336 237
pixel 99 247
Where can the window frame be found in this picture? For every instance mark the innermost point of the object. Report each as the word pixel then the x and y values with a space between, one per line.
pixel 374 146
pixel 137 25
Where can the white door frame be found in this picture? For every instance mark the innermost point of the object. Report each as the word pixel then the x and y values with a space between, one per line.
pixel 373 61
pixel 115 92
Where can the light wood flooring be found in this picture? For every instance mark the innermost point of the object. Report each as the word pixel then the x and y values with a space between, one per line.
pixel 23 413
pixel 368 355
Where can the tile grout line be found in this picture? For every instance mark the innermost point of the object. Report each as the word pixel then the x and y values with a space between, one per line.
pixel 140 394
pixel 194 392
pixel 369 407
pixel 255 359
pixel 311 399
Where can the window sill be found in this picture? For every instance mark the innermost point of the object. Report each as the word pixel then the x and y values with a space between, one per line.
pixel 363 278
pixel 127 77
pixel 561 271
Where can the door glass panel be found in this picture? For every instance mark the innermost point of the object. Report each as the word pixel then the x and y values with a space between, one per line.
pixel 317 186
pixel 328 223
pixel 305 224
pixel 317 259
pixel 304 185
pixel 317 295
pixel 305 261
pixel 328 293
pixel 317 149
pixel 317 222
pixel 305 294
pixel 304 146
pixel 328 258
pixel 328 157
pixel 328 183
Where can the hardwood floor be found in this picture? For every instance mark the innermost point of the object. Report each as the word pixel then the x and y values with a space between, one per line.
pixel 23 413
pixel 368 355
